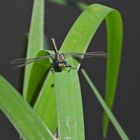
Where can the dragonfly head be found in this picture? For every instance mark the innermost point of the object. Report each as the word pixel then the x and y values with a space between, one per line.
pixel 60 57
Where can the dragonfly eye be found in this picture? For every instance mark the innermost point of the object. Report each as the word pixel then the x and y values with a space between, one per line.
pixel 60 57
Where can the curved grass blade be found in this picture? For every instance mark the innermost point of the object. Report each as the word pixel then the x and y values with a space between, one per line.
pixel 38 74
pixel 85 27
pixel 112 118
pixel 114 48
pixel 18 111
pixel 114 33
pixel 35 44
pixel 77 40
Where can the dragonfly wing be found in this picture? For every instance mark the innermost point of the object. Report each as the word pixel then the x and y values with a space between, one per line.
pixel 20 65
pixel 21 62
pixel 95 54
pixel 80 56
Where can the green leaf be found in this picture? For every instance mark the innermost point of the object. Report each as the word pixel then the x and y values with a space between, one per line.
pixel 38 74
pixel 77 40
pixel 69 106
pixel 114 48
pixel 114 37
pixel 35 44
pixel 45 105
pixel 112 118
pixel 18 111
pixel 83 30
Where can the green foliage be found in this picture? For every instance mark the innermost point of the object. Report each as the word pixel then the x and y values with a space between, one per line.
pixel 114 47
pixel 56 98
pixel 85 27
pixel 35 44
pixel 45 105
pixel 114 40
pixel 21 115
pixel 69 106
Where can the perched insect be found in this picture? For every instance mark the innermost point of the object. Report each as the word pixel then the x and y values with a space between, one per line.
pixel 59 62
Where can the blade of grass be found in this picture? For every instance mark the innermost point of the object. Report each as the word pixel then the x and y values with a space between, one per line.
pixel 69 106
pixel 18 111
pixel 114 38
pixel 112 118
pixel 38 74
pixel 77 40
pixel 35 73
pixel 35 44
pixel 45 105
pixel 84 28
pixel 114 48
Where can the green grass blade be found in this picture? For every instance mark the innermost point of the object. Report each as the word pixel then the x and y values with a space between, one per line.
pixel 35 43
pixel 114 47
pixel 69 106
pixel 84 28
pixel 114 31
pixel 25 120
pixel 38 74
pixel 114 121
pixel 77 40
pixel 45 105
pixel 114 37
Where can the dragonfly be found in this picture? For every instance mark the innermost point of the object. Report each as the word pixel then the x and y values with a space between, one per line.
pixel 59 60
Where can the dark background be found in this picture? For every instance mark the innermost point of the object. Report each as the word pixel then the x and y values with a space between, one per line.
pixel 14 23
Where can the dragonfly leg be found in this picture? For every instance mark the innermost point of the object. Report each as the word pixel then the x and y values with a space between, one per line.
pixel 52 70
pixel 70 67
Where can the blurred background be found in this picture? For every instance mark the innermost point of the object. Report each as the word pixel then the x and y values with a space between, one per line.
pixel 14 24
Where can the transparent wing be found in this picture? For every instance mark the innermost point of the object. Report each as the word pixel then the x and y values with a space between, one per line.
pixel 20 65
pixel 85 55
pixel 21 62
